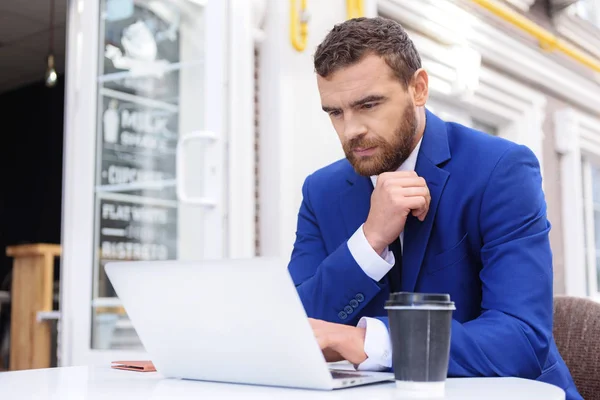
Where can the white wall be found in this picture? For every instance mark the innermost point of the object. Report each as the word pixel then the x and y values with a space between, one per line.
pixel 296 135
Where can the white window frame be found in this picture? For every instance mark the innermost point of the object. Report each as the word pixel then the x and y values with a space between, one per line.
pixel 245 20
pixel 577 139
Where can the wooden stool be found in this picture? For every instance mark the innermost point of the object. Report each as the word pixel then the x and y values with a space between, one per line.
pixel 31 292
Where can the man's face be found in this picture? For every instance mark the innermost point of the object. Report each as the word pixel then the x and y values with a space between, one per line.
pixel 372 113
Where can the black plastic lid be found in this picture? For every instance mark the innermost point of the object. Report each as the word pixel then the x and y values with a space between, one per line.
pixel 410 299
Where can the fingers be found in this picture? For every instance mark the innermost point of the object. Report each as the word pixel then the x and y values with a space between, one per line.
pixel 396 174
pixel 415 199
pixel 339 342
pixel 410 193
pixel 332 355
pixel 412 181
pixel 420 214
pixel 416 192
pixel 418 203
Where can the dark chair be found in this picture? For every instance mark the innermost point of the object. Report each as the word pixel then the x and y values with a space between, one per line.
pixel 577 335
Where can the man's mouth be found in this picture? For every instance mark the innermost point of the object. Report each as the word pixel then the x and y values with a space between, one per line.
pixel 364 151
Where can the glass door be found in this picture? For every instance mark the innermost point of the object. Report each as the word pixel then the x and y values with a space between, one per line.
pixel 145 169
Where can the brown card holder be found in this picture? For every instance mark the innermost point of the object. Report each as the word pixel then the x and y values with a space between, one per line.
pixel 139 366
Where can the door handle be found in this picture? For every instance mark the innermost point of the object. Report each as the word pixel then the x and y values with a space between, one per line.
pixel 210 172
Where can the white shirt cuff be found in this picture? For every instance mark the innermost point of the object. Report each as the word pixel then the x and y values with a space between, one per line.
pixel 378 346
pixel 373 264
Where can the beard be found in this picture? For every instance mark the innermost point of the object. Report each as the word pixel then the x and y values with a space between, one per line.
pixel 389 154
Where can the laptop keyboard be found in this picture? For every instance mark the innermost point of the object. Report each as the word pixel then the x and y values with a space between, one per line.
pixel 345 375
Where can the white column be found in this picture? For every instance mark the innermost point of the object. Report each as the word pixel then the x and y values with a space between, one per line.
pixel 296 135
pixel 568 145
pixel 240 220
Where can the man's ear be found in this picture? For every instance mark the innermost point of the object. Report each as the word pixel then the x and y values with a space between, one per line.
pixel 421 87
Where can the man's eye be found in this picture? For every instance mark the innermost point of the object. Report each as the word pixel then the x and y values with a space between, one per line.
pixel 335 113
pixel 369 105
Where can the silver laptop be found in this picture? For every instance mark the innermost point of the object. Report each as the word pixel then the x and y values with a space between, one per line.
pixel 235 321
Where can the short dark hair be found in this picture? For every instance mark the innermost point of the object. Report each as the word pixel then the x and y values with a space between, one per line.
pixel 348 42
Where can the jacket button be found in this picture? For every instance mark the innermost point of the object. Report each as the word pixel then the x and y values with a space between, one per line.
pixel 354 303
pixel 342 315
pixel 360 297
pixel 348 309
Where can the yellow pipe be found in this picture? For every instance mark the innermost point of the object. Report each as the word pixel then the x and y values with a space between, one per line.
pixel 355 8
pixel 548 40
pixel 298 18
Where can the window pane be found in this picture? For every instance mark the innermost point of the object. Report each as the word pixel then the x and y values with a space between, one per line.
pixel 597 275
pixel 596 200
pixel 597 230
pixel 595 184
pixel 590 226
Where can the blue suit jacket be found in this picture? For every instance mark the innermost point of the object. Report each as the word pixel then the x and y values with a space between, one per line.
pixel 484 241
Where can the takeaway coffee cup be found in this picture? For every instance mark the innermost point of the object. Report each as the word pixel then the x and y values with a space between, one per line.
pixel 420 325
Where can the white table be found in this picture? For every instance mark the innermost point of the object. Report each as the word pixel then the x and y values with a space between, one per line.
pixel 92 383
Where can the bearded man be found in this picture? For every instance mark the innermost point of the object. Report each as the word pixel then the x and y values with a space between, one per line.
pixel 421 205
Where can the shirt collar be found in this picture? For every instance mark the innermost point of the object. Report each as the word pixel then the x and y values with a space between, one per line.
pixel 408 164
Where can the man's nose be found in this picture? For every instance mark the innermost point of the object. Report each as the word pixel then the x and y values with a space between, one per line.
pixel 353 128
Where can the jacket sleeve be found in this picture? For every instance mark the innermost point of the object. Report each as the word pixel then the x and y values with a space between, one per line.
pixel 512 335
pixel 332 286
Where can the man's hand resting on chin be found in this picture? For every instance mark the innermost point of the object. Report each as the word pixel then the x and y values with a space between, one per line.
pixel 340 342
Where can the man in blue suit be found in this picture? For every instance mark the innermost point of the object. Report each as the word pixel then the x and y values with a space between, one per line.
pixel 421 205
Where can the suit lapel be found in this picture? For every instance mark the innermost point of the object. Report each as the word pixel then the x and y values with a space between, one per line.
pixel 434 151
pixel 356 202
pixel 416 233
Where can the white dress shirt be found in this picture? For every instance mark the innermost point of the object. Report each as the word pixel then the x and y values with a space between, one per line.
pixel 377 340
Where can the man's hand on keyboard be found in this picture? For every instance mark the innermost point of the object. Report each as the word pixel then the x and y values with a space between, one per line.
pixel 340 342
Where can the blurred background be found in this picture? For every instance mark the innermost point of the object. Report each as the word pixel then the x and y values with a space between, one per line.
pixel 184 129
